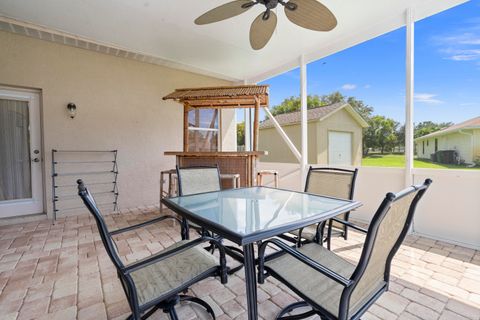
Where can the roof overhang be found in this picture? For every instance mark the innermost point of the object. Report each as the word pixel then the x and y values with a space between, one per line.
pixel 163 32
pixel 445 132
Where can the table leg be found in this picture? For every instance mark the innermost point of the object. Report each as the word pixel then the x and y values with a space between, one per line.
pixel 161 191
pixel 250 281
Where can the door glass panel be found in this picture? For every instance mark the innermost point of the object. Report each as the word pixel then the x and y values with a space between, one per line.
pixel 15 170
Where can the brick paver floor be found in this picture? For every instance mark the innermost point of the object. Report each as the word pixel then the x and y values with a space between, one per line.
pixel 61 271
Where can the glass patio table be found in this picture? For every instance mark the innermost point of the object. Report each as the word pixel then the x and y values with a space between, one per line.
pixel 247 215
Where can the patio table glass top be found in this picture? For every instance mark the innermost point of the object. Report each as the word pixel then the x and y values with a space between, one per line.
pixel 251 214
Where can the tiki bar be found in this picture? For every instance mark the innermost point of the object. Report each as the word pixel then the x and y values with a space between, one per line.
pixel 201 127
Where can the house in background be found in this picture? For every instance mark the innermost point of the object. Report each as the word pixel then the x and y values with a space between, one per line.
pixel 334 136
pixel 463 137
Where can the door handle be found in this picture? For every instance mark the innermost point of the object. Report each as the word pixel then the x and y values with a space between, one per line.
pixel 36 160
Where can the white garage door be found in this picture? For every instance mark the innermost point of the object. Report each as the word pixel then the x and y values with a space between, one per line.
pixel 339 148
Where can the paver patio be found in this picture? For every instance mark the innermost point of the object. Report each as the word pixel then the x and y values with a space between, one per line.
pixel 61 271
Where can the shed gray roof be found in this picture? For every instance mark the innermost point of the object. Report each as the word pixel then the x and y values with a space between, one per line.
pixel 312 114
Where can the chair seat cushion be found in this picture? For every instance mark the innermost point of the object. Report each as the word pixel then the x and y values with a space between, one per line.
pixel 172 273
pixel 309 232
pixel 315 286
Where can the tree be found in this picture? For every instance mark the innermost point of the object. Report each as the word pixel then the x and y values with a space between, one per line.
pixel 427 127
pixel 364 110
pixel 293 104
pixel 241 134
pixel 381 134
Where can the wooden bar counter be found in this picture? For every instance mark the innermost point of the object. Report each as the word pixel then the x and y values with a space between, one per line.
pixel 243 163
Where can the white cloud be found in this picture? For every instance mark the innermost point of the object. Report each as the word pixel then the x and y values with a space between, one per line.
pixel 467 38
pixel 428 98
pixel 463 45
pixel 349 86
pixel 462 55
pixel 367 86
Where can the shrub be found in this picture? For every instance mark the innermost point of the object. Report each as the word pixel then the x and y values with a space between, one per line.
pixel 477 161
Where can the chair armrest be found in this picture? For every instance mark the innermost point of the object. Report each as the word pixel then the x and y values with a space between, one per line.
pixel 302 258
pixel 143 224
pixel 164 255
pixel 350 225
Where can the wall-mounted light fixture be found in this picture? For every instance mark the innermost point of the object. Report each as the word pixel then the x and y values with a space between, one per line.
pixel 72 110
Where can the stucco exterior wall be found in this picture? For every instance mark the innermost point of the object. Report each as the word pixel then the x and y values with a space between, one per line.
pixel 462 142
pixel 119 104
pixel 476 144
pixel 272 142
pixel 340 121
pixel 278 151
pixel 425 147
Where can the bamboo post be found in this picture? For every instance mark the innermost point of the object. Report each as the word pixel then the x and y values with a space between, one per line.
pixel 185 127
pixel 255 124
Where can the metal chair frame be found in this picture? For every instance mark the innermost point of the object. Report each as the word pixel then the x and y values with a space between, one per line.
pixel 349 284
pixel 321 226
pixel 168 300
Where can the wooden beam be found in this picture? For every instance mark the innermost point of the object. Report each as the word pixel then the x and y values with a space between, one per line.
pixel 255 124
pixel 235 102
pixel 223 106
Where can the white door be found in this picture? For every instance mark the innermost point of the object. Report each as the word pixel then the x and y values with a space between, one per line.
pixel 339 148
pixel 21 185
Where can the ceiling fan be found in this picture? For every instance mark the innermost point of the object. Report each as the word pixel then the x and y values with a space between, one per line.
pixel 309 14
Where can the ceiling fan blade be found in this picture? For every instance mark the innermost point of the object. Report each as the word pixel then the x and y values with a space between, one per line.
pixel 262 30
pixel 311 14
pixel 225 11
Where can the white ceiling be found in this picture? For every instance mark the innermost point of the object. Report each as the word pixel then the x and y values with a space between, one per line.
pixel 164 29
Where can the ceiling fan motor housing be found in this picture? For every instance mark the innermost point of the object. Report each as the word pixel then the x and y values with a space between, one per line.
pixel 269 4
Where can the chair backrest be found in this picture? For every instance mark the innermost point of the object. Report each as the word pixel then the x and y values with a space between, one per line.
pixel 108 243
pixel 333 182
pixel 386 232
pixel 193 180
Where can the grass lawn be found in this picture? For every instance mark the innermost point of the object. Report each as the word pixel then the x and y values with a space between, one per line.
pixel 398 160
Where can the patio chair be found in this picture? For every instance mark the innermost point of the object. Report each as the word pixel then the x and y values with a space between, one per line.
pixel 156 282
pixel 333 287
pixel 194 180
pixel 332 182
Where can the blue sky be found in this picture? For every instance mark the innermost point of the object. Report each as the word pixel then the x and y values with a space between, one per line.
pixel 447 70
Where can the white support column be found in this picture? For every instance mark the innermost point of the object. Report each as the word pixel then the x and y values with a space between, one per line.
pixel 409 102
pixel 304 120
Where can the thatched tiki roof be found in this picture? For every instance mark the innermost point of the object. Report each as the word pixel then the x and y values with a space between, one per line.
pixel 222 97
